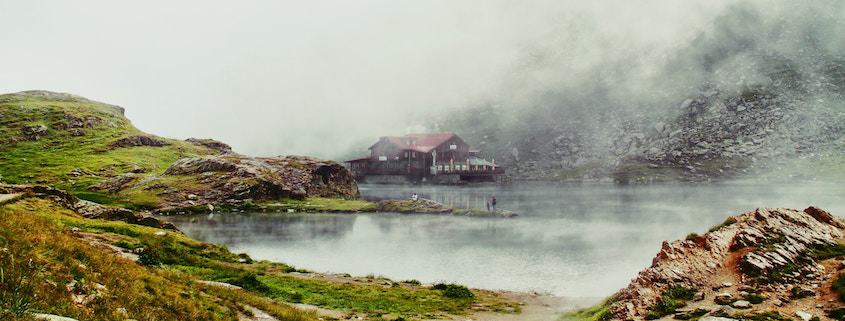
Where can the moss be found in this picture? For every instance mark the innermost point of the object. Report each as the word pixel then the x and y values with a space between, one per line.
pixel 826 251
pixel 672 299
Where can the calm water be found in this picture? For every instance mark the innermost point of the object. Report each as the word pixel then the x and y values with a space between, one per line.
pixel 570 240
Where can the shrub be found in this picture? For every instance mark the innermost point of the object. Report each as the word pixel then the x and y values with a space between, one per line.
pixel 414 282
pixel 729 221
pixel 798 293
pixel 839 287
pixel 454 291
pixel 837 314
pixel 672 299
pixel 755 298
pixel 691 236
pixel 148 258
pixel 439 286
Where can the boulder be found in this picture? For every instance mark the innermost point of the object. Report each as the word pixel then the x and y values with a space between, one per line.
pixel 741 304
pixel 35 132
pixel 139 140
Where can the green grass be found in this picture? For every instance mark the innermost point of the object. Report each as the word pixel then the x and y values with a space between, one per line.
pixel 52 158
pixel 177 259
pixel 380 297
pixel 599 312
pixel 321 204
pixel 45 265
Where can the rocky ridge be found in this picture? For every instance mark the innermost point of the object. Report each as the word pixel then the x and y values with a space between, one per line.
pixel 780 259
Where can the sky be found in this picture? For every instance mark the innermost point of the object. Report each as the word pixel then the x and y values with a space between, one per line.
pixel 312 77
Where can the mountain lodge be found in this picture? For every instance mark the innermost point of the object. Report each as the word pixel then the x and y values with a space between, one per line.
pixel 439 158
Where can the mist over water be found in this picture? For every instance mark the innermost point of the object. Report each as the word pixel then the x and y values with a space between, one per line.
pixel 570 240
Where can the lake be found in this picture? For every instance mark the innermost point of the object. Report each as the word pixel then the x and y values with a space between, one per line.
pixel 580 240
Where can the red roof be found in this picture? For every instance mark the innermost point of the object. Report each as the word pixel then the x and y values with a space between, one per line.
pixel 421 142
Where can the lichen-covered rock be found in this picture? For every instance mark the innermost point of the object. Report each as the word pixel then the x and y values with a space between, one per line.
pixel 753 249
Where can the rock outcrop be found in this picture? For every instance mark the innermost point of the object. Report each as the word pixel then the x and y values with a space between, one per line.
pixel 426 206
pixel 768 253
pixel 86 209
pixel 232 180
pixel 211 143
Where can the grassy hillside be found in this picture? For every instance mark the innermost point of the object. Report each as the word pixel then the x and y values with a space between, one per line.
pixel 48 268
pixel 54 261
pixel 69 142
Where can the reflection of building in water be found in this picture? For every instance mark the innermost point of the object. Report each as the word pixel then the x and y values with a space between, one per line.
pixel 440 158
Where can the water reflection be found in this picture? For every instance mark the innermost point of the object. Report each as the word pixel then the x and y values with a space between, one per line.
pixel 574 240
pixel 236 229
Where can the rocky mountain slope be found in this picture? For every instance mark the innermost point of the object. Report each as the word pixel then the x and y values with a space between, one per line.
pixel 754 95
pixel 92 150
pixel 767 264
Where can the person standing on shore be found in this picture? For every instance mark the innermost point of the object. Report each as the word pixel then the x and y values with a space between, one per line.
pixel 493 202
